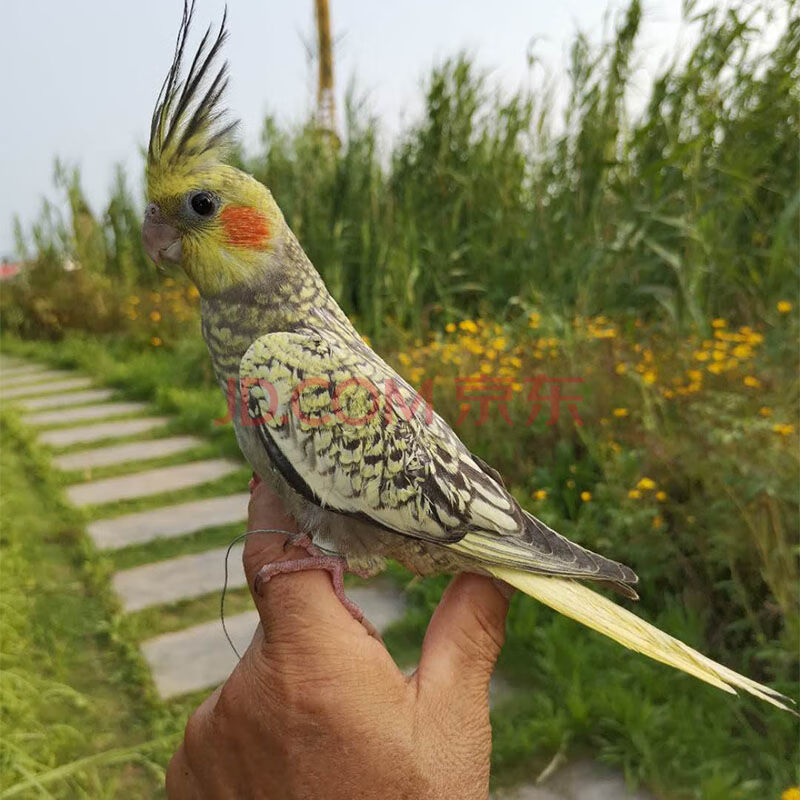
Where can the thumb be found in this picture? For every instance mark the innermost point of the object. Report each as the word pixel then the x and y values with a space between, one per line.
pixel 464 636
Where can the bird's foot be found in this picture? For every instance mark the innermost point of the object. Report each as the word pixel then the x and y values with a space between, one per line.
pixel 332 564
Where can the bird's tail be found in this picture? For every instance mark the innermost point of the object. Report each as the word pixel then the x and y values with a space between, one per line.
pixel 578 601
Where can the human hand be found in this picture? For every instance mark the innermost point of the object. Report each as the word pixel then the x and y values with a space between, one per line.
pixel 317 708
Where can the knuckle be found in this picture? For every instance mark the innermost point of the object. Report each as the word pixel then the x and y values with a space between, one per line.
pixel 483 639
pixel 491 624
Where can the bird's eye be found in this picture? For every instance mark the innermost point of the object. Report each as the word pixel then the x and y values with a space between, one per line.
pixel 203 203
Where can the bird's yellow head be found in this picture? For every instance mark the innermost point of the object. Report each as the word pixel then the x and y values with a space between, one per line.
pixel 217 222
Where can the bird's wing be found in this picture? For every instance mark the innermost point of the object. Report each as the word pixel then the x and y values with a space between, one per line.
pixel 348 433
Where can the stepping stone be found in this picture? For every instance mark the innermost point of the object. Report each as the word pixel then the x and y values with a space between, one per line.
pixel 179 578
pixel 200 657
pixel 154 481
pixel 96 433
pixel 39 376
pixel 169 522
pixel 69 399
pixel 197 657
pixel 15 371
pixel 34 390
pixel 125 453
pixel 82 413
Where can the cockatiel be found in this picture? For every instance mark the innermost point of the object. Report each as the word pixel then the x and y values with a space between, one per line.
pixel 366 468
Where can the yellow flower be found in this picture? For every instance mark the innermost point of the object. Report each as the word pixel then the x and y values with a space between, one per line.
pixel 499 343
pixel 621 368
pixel 750 380
pixel 405 359
pixel 700 355
pixel 155 316
pixel 133 300
pixel 718 355
pixel 634 494
pixel 784 306
pixel 742 351
pixel 782 429
pixel 571 483
pixel 540 494
pixel 765 411
pixel 657 521
pixel 661 496
pixel 468 325
pixel 718 323
pixel 646 483
pixel 716 368
pixel 533 320
pixel 515 362
pixel 792 793
pixel 486 368
pixel 156 341
pixel 450 327
pixel 620 412
pixel 586 496
pixel 649 377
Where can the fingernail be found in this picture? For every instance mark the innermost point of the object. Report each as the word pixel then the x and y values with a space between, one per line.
pixel 504 588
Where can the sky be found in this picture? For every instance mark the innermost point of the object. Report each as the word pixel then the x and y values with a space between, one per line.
pixel 82 76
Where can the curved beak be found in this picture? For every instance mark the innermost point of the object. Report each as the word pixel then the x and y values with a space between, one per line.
pixel 162 242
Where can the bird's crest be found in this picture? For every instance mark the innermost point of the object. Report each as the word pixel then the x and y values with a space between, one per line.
pixel 189 132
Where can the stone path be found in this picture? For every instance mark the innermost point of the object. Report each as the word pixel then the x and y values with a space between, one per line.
pixel 144 484
pixel 44 388
pixel 168 523
pixel 125 453
pixel 54 403
pixel 63 400
pixel 64 437
pixel 67 411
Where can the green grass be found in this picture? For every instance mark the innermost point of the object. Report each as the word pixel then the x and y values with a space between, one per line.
pixel 160 549
pixel 77 713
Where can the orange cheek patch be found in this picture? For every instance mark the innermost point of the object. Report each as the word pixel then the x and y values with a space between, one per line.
pixel 245 227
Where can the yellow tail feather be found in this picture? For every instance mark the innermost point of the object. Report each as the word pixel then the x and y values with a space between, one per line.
pixel 578 601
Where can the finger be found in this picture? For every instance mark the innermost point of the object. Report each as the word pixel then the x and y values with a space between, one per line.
pixel 288 604
pixel 464 636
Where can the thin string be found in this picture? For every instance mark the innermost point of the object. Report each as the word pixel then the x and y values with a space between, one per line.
pixel 238 539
